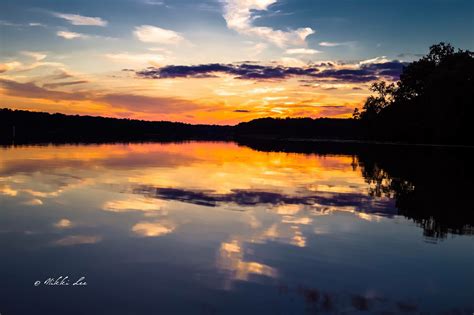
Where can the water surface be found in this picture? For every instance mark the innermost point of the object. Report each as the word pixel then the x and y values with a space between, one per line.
pixel 211 228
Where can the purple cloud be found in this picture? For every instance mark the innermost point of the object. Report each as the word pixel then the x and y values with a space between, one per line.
pixel 365 73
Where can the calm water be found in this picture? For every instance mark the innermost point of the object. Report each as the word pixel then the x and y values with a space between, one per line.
pixel 212 228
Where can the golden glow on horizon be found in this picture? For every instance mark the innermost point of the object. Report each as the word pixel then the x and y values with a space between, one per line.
pixel 43 86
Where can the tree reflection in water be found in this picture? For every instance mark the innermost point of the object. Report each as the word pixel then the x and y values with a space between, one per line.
pixel 430 185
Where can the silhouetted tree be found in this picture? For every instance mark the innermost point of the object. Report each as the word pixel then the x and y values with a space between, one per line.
pixel 432 101
pixel 375 104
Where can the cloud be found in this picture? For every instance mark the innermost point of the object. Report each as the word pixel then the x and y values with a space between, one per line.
pixel 359 73
pixel 31 90
pixel 251 198
pixel 380 59
pixel 257 49
pixel 334 44
pixel 8 191
pixel 263 90
pixel 148 104
pixel 71 35
pixel 154 34
pixel 331 111
pixel 134 204
pixel 240 71
pixel 301 51
pixel 4 67
pixel 33 202
pixel 409 55
pixel 291 62
pixel 63 224
pixel 238 16
pixel 136 103
pixel 160 50
pixel 153 229
pixel 37 55
pixel 391 69
pixel 76 19
pixel 348 75
pixel 78 240
pixel 6 23
pixel 37 64
pixel 61 84
pixel 33 24
pixel 152 59
pixel 155 2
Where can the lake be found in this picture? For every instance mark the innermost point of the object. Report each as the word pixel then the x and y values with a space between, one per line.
pixel 227 228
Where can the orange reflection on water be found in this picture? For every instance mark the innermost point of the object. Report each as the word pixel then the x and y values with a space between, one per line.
pixel 222 167
pixel 199 180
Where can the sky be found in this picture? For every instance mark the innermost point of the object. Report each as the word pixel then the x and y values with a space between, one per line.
pixel 214 61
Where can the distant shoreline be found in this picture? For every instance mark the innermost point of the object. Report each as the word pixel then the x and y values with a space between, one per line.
pixel 238 140
pixel 24 127
pixel 355 141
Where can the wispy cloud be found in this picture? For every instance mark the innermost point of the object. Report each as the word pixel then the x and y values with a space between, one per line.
pixel 62 84
pixel 160 50
pixel 380 59
pixel 158 35
pixel 78 239
pixel 256 49
pixel 36 24
pixel 31 90
pixel 7 23
pixel 238 15
pixel 18 67
pixel 31 24
pixel 76 19
pixel 148 104
pixel 335 44
pixel 71 35
pixel 131 102
pixel 8 66
pixel 37 55
pixel 155 2
pixel 152 59
pixel 302 51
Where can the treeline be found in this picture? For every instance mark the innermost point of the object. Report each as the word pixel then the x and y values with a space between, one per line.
pixel 288 128
pixel 25 126
pixel 433 102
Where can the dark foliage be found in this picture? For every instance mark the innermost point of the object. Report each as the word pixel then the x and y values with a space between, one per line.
pixel 24 126
pixel 431 103
pixel 431 186
pixel 322 128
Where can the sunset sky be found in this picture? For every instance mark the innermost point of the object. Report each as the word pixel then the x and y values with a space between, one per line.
pixel 214 61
